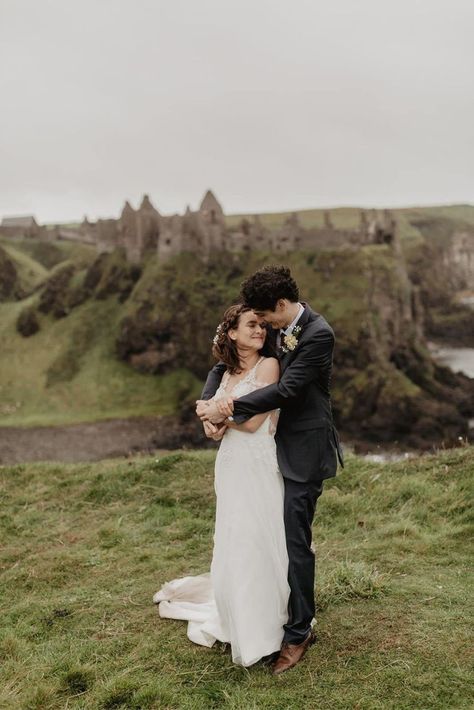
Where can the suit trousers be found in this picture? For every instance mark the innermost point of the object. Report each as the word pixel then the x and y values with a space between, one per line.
pixel 299 507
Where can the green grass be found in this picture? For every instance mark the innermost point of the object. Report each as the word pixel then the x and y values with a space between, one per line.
pixel 68 371
pixel 30 272
pixel 50 253
pixel 349 217
pixel 84 547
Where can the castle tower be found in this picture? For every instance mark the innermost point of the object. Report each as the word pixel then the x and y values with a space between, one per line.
pixel 212 225
pixel 127 211
pixel 146 204
pixel 362 235
pixel 127 230
pixel 148 221
pixel 327 220
pixel 211 210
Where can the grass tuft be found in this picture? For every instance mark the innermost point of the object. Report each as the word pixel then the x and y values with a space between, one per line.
pixel 118 695
pixel 77 680
pixel 351 581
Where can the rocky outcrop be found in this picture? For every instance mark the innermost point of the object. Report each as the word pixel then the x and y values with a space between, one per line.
pixel 54 296
pixel 148 344
pixel 110 274
pixel 10 288
pixel 27 323
pixel 442 266
pixel 386 387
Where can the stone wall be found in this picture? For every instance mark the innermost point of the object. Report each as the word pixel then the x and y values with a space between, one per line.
pixel 204 231
pixel 461 256
pixel 145 231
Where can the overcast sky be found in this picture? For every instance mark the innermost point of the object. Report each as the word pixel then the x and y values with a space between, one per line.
pixel 274 104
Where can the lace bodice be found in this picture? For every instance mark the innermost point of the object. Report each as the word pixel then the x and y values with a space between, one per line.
pixel 247 384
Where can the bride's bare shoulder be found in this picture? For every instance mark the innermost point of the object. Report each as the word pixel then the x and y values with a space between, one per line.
pixel 269 369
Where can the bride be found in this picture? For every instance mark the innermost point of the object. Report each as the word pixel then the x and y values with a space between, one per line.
pixel 244 600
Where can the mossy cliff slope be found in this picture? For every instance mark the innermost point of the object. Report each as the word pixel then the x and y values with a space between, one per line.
pixel 97 324
pixel 438 243
pixel 66 369
pixel 386 386
pixel 106 338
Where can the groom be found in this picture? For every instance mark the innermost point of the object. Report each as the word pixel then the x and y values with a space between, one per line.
pixel 307 442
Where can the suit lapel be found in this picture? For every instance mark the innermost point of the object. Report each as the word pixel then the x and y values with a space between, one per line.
pixel 284 360
pixel 302 322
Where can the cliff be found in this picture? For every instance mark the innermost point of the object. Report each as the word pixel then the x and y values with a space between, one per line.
pixel 110 338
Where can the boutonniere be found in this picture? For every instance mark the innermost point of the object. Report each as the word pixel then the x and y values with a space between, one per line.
pixel 291 341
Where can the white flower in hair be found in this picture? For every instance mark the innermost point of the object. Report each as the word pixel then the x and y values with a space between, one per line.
pixel 215 339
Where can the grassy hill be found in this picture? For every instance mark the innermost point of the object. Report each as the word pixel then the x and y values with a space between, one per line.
pixel 84 547
pixel 69 371
pixel 348 217
pixel 43 256
pixel 31 273
pixel 111 339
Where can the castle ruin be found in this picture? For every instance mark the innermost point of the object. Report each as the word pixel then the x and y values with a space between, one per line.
pixel 145 231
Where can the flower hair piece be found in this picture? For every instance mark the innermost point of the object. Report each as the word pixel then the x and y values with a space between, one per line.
pixel 224 349
pixel 215 339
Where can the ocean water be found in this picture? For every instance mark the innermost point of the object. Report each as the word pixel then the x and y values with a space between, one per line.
pixel 458 359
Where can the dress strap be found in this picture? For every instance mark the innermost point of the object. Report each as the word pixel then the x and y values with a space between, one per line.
pixel 225 378
pixel 258 363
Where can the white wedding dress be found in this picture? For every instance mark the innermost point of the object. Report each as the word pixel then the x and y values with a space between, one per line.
pixel 244 600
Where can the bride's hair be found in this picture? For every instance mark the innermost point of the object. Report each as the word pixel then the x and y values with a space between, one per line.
pixel 223 347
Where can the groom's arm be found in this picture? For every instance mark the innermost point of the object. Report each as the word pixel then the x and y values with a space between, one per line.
pixel 314 354
pixel 213 381
pixel 211 386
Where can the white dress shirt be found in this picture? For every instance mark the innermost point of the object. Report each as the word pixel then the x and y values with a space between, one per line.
pixel 288 329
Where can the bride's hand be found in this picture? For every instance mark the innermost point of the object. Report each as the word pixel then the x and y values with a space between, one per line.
pixel 202 406
pixel 209 429
pixel 221 430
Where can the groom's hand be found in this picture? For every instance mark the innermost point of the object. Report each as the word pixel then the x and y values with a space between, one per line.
pixel 215 411
pixel 219 410
pixel 225 406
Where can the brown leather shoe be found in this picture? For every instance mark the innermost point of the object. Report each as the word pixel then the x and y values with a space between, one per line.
pixel 292 653
pixel 270 659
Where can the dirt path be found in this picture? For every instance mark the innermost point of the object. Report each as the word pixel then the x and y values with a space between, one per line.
pixel 91 442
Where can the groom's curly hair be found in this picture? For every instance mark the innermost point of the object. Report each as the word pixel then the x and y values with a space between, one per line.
pixel 265 287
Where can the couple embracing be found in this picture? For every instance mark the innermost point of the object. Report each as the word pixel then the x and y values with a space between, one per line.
pixel 268 401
